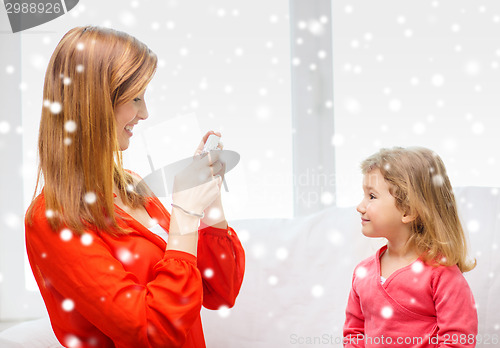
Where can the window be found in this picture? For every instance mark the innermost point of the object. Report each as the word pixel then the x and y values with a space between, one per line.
pixel 416 74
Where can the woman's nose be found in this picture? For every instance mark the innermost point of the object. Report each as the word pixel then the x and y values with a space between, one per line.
pixel 143 112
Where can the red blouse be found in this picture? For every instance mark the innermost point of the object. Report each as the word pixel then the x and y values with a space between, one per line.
pixel 127 291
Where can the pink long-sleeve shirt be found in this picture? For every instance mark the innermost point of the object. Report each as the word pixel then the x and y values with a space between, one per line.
pixel 417 306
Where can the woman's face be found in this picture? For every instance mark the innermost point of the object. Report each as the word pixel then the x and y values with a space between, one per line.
pixel 127 116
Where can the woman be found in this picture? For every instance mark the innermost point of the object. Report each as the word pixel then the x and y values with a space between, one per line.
pixel 96 237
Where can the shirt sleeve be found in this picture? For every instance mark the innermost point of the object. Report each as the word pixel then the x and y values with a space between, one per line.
pixel 354 326
pixel 455 309
pixel 80 274
pixel 221 260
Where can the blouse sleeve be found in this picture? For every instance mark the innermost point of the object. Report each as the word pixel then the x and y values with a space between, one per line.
pixel 80 274
pixel 455 308
pixel 221 260
pixel 354 326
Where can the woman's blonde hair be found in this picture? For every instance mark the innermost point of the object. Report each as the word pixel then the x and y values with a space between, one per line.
pixel 91 72
pixel 418 181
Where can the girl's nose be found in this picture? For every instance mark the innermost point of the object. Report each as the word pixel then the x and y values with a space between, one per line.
pixel 361 208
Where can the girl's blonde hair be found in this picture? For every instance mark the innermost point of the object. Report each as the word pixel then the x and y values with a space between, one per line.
pixel 418 181
pixel 91 72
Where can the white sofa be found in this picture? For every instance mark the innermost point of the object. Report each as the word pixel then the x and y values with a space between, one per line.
pixel 298 274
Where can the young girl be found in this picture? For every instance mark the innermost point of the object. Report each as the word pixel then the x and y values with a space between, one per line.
pixel 115 269
pixel 412 292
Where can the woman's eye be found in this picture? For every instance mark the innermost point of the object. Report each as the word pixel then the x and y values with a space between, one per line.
pixel 137 99
pixel 372 196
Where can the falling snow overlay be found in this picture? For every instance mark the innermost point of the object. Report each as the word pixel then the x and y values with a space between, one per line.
pixel 418 73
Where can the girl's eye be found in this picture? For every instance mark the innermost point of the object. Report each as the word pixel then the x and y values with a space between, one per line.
pixel 137 99
pixel 372 196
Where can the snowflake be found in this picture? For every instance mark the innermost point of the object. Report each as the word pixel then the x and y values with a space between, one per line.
pixel 221 12
pixel 281 254
pixel 72 341
pixel 49 213
pixel 417 267
pixel 4 127
pixel 9 69
pixel 437 80
pixel 419 128
pixel 86 239
pixel 336 238
pixel 254 165
pixel 68 305
pixel 90 197
pixel 317 291
pixel 203 84
pixel 214 213
pixel 272 280
pixel 327 198
pixel 472 68
pixel 66 234
pixel 244 236
pixel 70 126
pixel 224 311
pixel 258 251
pixel 55 107
pixel 473 226
pixel 387 312
pixel 66 81
pixel 352 106
pixel 67 141
pixel 79 68
pixel 208 273
pixel 477 128
pixel 127 18
pixel 438 180
pixel 361 272
pixel 124 255
pixel 395 105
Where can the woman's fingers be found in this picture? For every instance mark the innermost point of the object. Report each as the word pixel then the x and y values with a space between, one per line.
pixel 199 149
pixel 216 168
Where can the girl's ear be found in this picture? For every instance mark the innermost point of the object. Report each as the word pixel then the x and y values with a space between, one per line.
pixel 407 218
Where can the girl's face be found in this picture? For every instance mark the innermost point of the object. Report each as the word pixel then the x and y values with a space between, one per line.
pixel 127 116
pixel 379 215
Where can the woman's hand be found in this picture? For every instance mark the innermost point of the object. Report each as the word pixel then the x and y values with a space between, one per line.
pixel 198 185
pixel 199 149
